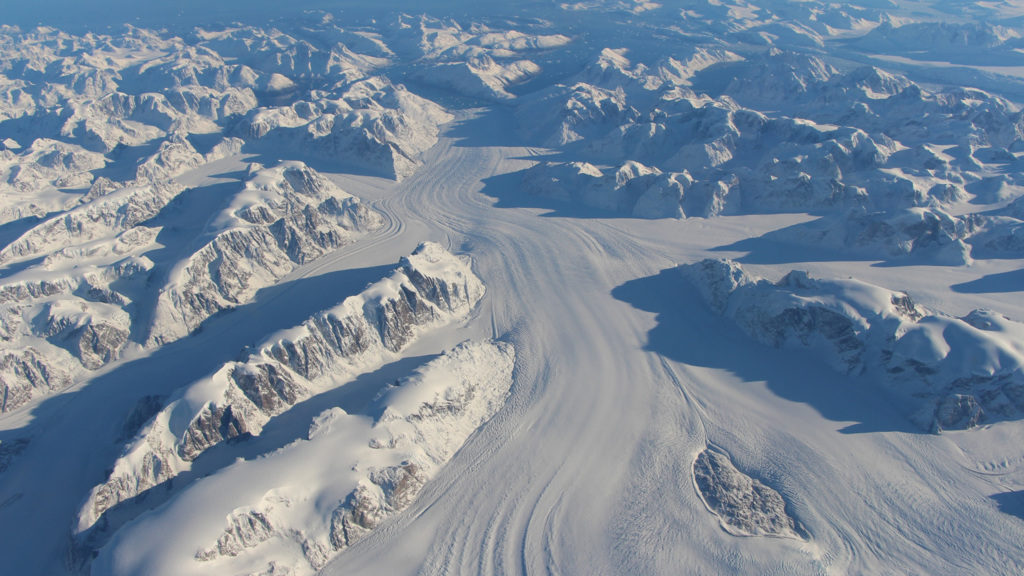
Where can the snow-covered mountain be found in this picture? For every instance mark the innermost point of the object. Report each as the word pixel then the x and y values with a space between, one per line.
pixel 752 288
pixel 473 59
pixel 284 217
pixel 962 371
pixel 380 460
pixel 371 124
pixel 73 303
pixel 431 288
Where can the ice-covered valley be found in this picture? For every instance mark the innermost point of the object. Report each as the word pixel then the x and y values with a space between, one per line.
pixel 607 287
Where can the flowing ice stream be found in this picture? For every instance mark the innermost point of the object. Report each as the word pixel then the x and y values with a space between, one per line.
pixel 622 377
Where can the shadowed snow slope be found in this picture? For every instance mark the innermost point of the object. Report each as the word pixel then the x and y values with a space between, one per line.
pixel 962 371
pixel 284 217
pixel 431 288
pixel 297 507
pixel 201 317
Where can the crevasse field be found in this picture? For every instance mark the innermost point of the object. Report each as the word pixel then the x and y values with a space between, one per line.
pixel 605 287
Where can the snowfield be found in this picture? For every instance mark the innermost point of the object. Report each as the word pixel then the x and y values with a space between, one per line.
pixel 379 460
pixel 603 287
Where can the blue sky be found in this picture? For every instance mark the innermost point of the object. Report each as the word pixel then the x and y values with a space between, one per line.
pixel 97 14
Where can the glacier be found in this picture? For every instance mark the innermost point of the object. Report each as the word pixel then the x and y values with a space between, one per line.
pixel 599 286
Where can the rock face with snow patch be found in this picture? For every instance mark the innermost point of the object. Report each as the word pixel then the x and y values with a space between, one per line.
pixel 633 188
pixel 103 184
pixel 566 114
pixel 745 506
pixel 27 374
pixel 81 317
pixel 424 419
pixel 286 216
pixel 54 329
pixel 9 450
pixel 297 507
pixel 850 146
pixel 926 235
pixel 247 530
pixel 481 77
pixel 371 123
pixel 431 288
pixel 105 216
pixel 1001 232
pixel 477 61
pixel 94 332
pixel 960 371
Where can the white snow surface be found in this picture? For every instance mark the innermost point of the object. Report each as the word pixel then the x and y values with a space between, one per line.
pixel 858 328
pixel 283 217
pixel 789 137
pixel 376 458
pixel 432 288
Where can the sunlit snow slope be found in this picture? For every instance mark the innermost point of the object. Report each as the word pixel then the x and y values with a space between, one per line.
pixel 598 287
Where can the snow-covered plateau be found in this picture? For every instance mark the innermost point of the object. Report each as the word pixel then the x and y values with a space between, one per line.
pixel 600 287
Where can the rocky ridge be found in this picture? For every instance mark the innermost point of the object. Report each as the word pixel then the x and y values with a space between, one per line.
pixel 424 418
pixel 744 505
pixel 100 136
pixel 284 217
pixel 847 145
pixel 959 372
pixel 75 307
pixel 471 59
pixel 370 123
pixel 431 288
